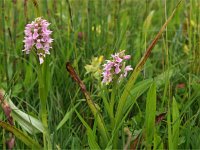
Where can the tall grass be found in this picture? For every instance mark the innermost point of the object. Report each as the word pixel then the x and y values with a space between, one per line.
pixel 160 111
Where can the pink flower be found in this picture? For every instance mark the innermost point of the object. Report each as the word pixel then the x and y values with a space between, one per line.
pixel 117 58
pixel 108 65
pixel 108 77
pixel 37 36
pixel 127 57
pixel 39 45
pixel 116 67
pixel 127 68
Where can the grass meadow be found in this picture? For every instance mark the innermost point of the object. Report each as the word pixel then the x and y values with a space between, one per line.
pixel 63 103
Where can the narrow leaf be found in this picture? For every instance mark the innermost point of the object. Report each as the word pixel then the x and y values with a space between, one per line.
pixel 29 123
pixel 158 144
pixel 91 140
pixel 170 145
pixel 137 91
pixel 91 136
pixel 66 117
pixel 21 136
pixel 150 115
pixel 176 123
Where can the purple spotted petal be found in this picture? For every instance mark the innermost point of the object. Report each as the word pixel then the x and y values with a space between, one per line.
pixel 37 35
pixel 127 69
pixel 115 67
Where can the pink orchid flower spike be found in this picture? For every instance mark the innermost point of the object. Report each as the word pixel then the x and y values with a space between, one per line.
pixel 38 36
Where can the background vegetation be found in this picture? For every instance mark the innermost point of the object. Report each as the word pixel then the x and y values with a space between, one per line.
pixel 83 29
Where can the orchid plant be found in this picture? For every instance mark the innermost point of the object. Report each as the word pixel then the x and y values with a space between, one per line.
pixel 38 40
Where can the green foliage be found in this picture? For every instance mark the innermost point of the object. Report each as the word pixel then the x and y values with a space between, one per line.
pixel 176 124
pixel 29 123
pixel 150 115
pixel 21 135
pixel 86 29
pixel 91 136
pixel 66 117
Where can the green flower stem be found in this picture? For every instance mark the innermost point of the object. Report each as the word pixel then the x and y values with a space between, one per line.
pixel 43 93
pixel 106 104
pixel 112 104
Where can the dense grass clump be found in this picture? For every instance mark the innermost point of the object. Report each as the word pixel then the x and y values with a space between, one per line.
pixel 63 103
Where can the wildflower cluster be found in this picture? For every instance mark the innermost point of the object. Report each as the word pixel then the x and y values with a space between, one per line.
pixel 37 36
pixel 116 66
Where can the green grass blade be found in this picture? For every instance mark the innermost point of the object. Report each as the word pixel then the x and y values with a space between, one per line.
pixel 66 117
pixel 29 123
pixel 176 124
pixel 21 136
pixel 168 74
pixel 158 144
pixel 170 145
pixel 150 115
pixel 137 91
pixel 91 140
pixel 36 7
pixel 91 137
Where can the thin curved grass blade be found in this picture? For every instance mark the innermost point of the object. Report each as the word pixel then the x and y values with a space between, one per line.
pixel 21 136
